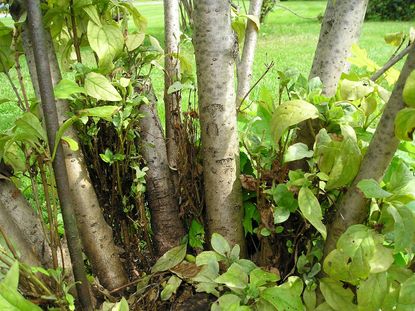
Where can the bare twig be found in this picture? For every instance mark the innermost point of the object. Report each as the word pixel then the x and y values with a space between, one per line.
pixel 255 84
pixel 392 61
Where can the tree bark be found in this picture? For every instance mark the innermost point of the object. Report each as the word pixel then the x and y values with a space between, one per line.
pixel 216 50
pixel 171 72
pixel 340 30
pixel 167 226
pixel 96 235
pixel 245 66
pixel 352 208
pixel 37 34
pixel 22 226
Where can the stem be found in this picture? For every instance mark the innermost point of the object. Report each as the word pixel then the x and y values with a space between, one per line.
pixel 255 84
pixel 18 69
pixel 19 99
pixel 75 33
pixel 37 33
pixel 392 61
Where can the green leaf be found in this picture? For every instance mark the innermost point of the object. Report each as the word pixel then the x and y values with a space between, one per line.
pixel 406 298
pixel 339 298
pixel 404 227
pixel 171 287
pixel 259 277
pixel 290 113
pixel 73 144
pixel 170 259
pixel 208 257
pixel 10 298
pixel 234 277
pixel 310 298
pixel 92 13
pixel 98 87
pixel 371 292
pixel 408 93
pixel 352 90
pixel 405 124
pixel 372 189
pixel 122 305
pixel 324 307
pixel 226 302
pixel 66 88
pixel 311 210
pixel 220 245
pixel 286 296
pixel 28 122
pixel 156 45
pixel 196 234
pixel 347 162
pixel 395 39
pixel 134 40
pixel 139 20
pixel 106 40
pixel 103 112
pixel 62 129
pixel 296 152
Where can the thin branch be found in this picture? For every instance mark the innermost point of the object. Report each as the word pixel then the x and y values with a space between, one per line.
pixel 392 61
pixel 255 84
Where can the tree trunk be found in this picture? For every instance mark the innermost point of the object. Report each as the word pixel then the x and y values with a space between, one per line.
pixel 340 30
pixel 37 34
pixel 22 226
pixel 171 71
pixel 216 50
pixel 167 226
pixel 244 68
pixel 352 208
pixel 96 235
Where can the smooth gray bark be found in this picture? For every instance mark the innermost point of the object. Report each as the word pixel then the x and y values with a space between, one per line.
pixel 352 208
pixel 167 226
pixel 22 226
pixel 245 66
pixel 37 34
pixel 216 50
pixel 171 70
pixel 340 30
pixel 96 234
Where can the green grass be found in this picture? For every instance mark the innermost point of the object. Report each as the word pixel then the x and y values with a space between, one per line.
pixel 284 38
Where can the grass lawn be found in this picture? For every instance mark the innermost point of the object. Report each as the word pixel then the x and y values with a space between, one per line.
pixel 284 38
